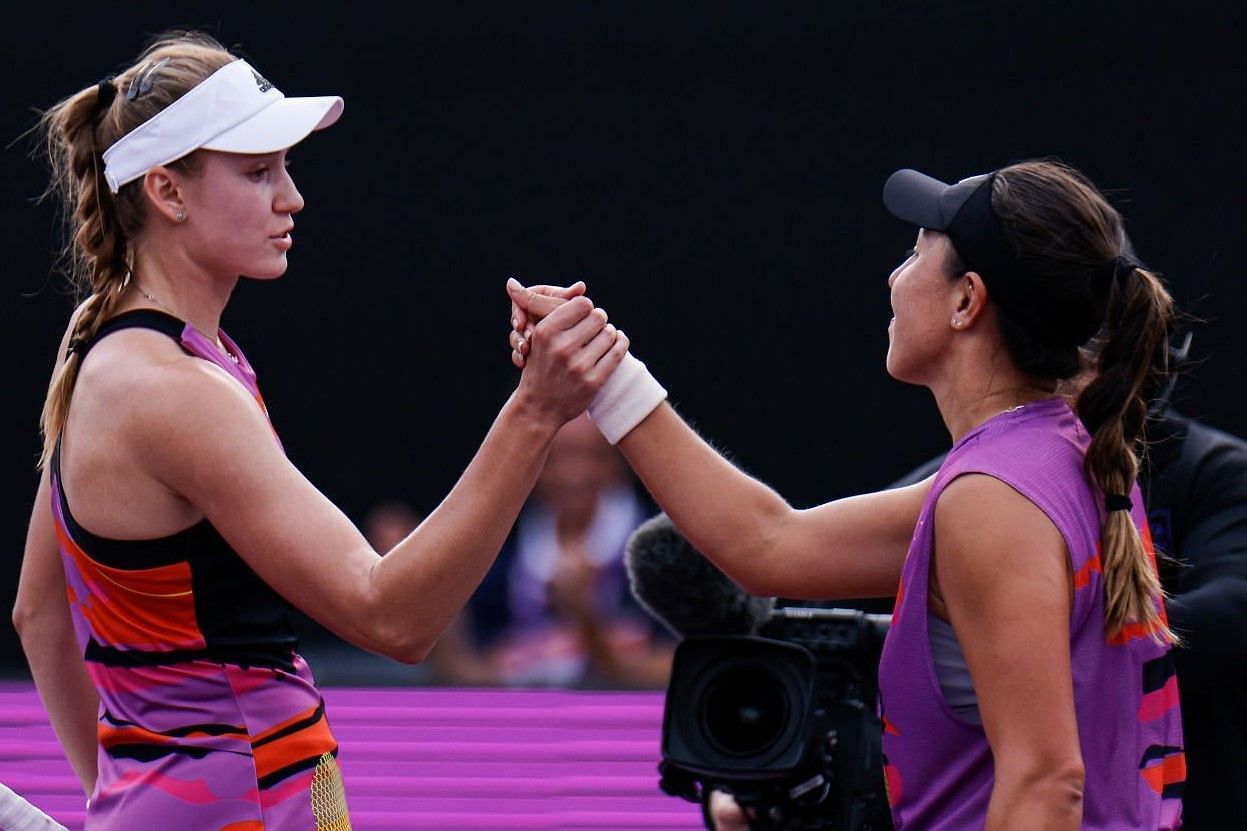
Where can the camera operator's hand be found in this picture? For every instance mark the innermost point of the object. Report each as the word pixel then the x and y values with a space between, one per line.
pixel 726 814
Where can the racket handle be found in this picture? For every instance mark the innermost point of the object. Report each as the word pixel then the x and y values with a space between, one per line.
pixel 16 814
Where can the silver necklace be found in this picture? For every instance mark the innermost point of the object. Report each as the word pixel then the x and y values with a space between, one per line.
pixel 154 299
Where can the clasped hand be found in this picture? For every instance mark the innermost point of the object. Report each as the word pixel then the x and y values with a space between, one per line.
pixel 565 345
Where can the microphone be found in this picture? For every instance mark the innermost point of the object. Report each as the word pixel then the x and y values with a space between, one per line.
pixel 683 590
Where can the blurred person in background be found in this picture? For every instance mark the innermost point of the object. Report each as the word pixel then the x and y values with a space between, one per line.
pixel 1195 485
pixel 555 609
pixel 388 523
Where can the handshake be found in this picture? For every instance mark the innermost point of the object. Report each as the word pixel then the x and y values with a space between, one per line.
pixel 573 358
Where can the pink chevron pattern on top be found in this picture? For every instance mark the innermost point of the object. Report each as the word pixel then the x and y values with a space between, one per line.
pixel 438 759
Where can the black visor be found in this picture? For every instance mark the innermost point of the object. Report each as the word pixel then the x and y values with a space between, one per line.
pixel 964 212
pixel 926 202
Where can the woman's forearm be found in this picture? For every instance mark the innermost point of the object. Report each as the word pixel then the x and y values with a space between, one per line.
pixel 438 567
pixel 42 619
pixel 851 547
pixel 66 691
pixel 1046 801
pixel 731 517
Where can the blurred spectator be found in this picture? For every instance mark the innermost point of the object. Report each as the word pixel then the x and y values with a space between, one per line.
pixel 388 523
pixel 555 609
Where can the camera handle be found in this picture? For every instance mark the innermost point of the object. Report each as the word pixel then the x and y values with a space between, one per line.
pixel 676 781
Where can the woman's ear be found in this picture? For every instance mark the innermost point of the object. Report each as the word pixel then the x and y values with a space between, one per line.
pixel 163 190
pixel 970 300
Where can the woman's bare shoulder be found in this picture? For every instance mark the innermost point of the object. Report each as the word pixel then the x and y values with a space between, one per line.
pixel 143 382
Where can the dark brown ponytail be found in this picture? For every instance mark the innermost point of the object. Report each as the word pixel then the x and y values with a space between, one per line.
pixel 1114 408
pixel 1070 239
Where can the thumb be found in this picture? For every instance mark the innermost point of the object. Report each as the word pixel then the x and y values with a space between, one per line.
pixel 534 304
pixel 566 292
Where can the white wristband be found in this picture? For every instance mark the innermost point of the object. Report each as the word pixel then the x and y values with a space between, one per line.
pixel 627 397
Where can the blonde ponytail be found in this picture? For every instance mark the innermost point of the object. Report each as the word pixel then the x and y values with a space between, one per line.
pixel 98 255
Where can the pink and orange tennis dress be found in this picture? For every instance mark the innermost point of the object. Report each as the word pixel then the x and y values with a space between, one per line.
pixel 208 720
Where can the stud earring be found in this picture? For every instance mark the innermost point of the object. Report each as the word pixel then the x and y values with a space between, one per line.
pixel 181 216
pixel 956 323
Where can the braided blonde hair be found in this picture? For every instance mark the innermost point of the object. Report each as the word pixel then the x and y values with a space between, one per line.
pixel 101 227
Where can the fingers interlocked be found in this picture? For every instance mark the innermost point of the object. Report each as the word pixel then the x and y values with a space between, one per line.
pixel 519 348
pixel 566 346
pixel 532 304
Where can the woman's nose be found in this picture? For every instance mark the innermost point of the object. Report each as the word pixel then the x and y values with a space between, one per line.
pixel 289 200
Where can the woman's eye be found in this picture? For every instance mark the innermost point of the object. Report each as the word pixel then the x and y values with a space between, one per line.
pixel 259 172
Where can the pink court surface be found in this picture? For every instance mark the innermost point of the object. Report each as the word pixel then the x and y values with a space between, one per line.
pixel 437 759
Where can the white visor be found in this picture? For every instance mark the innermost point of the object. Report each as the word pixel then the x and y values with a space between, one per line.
pixel 233 110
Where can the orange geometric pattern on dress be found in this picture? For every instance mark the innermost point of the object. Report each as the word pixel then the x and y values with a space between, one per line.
pixel 109 737
pixel 151 607
pixel 1169 771
pixel 892 784
pixel 900 597
pixel 1131 632
pixel 1082 577
pixel 272 750
pixel 889 727
pixel 249 825
pixel 268 735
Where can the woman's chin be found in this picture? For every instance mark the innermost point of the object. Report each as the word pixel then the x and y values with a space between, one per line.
pixel 897 369
pixel 889 364
pixel 267 272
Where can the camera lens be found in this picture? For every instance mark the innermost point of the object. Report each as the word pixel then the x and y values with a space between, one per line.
pixel 745 710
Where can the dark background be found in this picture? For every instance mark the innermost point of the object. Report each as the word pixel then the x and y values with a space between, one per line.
pixel 712 170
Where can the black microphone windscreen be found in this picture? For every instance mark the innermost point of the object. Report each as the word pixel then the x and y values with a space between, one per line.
pixel 685 591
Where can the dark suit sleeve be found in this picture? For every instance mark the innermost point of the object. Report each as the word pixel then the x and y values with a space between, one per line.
pixel 1206 490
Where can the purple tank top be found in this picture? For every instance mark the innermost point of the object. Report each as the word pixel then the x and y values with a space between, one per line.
pixel 939 768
